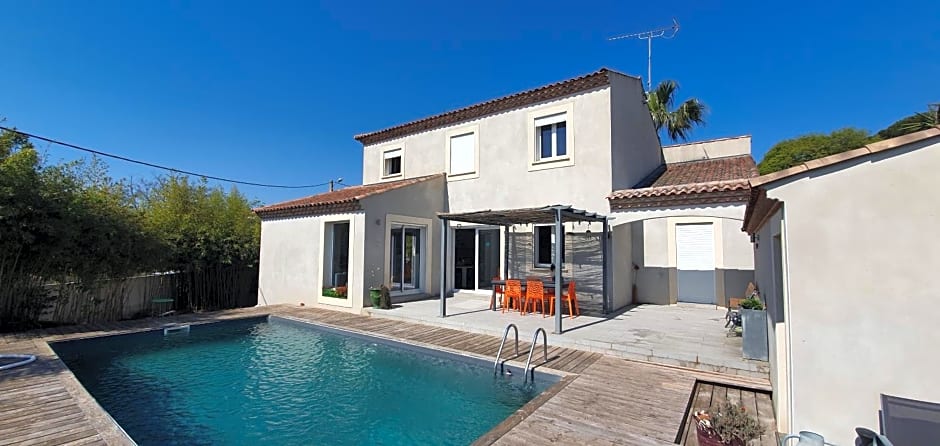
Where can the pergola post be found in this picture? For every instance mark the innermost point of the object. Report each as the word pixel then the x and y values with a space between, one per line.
pixel 559 265
pixel 605 268
pixel 443 267
pixel 505 252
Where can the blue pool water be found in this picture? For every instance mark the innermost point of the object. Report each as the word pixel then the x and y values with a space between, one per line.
pixel 283 382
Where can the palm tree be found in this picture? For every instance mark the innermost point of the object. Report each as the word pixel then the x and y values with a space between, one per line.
pixel 678 122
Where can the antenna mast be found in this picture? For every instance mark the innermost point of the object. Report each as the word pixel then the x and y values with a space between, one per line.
pixel 649 36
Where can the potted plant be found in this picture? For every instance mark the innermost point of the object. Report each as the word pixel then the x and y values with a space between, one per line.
pixel 754 327
pixel 375 291
pixel 731 426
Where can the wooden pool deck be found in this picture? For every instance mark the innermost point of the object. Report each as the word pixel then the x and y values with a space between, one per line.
pixel 600 400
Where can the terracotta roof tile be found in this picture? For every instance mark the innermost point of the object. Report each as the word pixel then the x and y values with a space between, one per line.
pixel 597 79
pixel 707 181
pixel 704 171
pixel 342 200
pixel 696 188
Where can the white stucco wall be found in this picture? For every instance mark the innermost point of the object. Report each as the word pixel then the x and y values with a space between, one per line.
pixel 768 277
pixel 654 249
pixel 506 178
pixel 635 150
pixel 711 149
pixel 860 252
pixel 291 259
pixel 417 204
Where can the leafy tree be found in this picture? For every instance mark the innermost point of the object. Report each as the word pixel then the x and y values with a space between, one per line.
pixel 913 123
pixel 72 225
pixel 213 239
pixel 677 121
pixel 66 223
pixel 790 152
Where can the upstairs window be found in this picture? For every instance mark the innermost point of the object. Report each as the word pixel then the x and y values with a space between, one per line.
pixel 551 137
pixel 391 163
pixel 463 154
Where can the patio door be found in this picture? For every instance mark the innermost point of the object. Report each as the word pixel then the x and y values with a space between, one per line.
pixel 406 257
pixel 695 263
pixel 476 258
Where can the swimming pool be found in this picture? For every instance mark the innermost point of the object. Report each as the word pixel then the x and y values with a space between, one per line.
pixel 278 381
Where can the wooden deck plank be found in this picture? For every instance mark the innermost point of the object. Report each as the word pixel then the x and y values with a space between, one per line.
pixel 703 399
pixel 612 401
pixel 765 414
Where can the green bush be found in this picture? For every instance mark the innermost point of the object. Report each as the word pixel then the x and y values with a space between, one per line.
pixel 752 303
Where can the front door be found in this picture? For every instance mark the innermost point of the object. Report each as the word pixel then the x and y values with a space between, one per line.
pixel 695 263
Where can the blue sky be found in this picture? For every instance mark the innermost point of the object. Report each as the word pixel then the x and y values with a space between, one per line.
pixel 274 91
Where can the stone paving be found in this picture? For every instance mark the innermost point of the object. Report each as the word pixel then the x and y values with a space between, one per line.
pixel 686 335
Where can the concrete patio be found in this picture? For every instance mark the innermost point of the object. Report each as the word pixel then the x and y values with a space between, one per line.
pixel 686 335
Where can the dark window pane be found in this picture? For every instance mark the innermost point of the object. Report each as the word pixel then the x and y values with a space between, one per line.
pixel 560 139
pixel 543 235
pixel 545 141
pixel 340 254
pixel 393 166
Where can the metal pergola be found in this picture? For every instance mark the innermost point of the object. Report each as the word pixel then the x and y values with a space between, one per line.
pixel 554 214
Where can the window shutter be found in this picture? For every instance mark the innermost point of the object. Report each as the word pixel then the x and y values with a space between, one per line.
pixel 551 119
pixel 462 153
pixel 392 154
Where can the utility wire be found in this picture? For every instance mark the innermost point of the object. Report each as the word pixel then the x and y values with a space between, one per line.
pixel 157 166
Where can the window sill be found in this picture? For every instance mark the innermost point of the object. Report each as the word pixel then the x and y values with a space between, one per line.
pixel 551 163
pixel 463 176
pixel 334 301
pixel 391 177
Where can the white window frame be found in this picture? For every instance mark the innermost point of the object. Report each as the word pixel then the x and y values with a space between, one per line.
pixel 552 113
pixel 428 241
pixel 475 130
pixel 385 156
pixel 535 246
pixel 353 282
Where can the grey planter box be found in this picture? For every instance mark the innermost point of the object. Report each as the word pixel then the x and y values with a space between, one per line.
pixel 754 323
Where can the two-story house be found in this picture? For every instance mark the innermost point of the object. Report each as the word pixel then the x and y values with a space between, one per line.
pixel 573 143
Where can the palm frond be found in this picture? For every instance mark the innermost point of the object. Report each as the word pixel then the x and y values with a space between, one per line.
pixel 678 122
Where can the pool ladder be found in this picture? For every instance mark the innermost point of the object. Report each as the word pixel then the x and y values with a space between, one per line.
pixel 498 366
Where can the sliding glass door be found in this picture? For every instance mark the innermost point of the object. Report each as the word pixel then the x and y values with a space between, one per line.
pixel 476 258
pixel 487 257
pixel 406 257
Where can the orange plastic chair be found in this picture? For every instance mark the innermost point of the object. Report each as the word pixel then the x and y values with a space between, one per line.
pixel 498 293
pixel 572 299
pixel 534 296
pixel 512 297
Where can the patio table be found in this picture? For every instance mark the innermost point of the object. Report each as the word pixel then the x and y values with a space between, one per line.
pixel 548 284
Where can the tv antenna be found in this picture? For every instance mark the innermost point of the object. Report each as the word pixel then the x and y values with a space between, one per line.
pixel 666 32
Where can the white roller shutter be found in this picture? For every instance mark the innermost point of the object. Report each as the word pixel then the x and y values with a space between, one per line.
pixel 462 153
pixel 552 119
pixel 695 247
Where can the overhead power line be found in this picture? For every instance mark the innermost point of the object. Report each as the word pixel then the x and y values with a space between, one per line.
pixel 157 166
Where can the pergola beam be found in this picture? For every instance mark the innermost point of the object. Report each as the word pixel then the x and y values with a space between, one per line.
pixel 555 215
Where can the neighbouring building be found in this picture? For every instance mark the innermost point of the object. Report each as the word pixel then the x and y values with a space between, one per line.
pixel 682 225
pixel 571 143
pixel 843 257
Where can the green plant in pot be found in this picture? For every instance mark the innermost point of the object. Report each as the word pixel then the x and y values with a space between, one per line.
pixel 752 303
pixel 375 291
pixel 730 426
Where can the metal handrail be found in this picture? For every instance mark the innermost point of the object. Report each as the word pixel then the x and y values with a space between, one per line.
pixel 496 364
pixel 535 340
